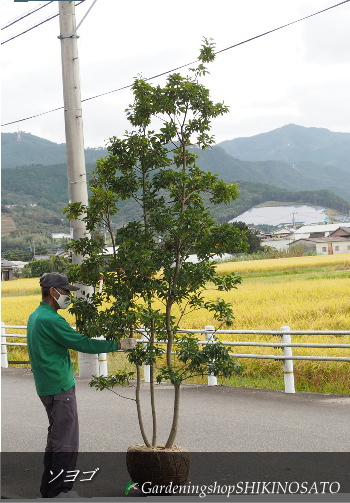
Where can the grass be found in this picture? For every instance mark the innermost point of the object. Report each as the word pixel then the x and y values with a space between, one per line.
pixel 305 293
pixel 285 264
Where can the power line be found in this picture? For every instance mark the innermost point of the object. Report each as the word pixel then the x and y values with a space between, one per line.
pixel 29 29
pixel 25 15
pixel 35 26
pixel 187 64
pixel 283 26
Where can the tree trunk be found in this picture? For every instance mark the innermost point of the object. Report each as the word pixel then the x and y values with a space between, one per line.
pixel 174 426
pixel 170 334
pixel 153 407
pixel 138 405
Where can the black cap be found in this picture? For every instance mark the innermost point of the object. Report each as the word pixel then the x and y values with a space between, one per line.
pixel 56 280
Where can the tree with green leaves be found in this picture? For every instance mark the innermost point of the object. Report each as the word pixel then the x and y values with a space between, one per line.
pixel 54 263
pixel 149 281
pixel 252 235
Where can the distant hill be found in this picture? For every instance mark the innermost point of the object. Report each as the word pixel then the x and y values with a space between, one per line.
pixel 292 157
pixel 32 149
pixel 47 187
pixel 34 192
pixel 293 144
pixel 301 175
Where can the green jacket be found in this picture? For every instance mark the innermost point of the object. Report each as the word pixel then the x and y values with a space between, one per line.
pixel 49 339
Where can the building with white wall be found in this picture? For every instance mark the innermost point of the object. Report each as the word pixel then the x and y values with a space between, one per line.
pixel 324 245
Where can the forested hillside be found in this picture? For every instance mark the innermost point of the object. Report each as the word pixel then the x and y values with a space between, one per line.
pixel 292 157
pixel 44 185
pixel 26 149
pixel 33 197
pixel 34 194
pixel 302 175
pixel 292 143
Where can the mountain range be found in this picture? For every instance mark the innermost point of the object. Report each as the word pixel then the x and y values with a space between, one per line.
pixel 293 144
pixel 292 164
pixel 291 157
pixel 24 149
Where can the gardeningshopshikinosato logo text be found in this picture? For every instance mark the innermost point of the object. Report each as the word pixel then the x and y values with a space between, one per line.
pixel 293 487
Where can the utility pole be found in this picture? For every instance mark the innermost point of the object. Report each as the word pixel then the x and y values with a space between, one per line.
pixel 76 170
pixel 77 186
pixel 33 250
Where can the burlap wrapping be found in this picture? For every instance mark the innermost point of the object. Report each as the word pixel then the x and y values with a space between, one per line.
pixel 159 466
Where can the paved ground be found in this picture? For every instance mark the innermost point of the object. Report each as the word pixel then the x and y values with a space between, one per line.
pixel 213 419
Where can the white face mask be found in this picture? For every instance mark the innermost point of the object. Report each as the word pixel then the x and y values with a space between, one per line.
pixel 63 301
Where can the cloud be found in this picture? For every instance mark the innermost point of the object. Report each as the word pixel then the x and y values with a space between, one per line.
pixel 326 37
pixel 324 103
pixel 297 74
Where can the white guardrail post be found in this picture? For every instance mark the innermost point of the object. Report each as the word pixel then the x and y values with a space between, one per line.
pixel 88 365
pixel 288 364
pixel 209 335
pixel 102 364
pixel 4 360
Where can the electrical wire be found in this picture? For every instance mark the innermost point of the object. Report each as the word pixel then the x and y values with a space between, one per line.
pixel 35 26
pixel 29 29
pixel 25 15
pixel 187 64
pixel 283 26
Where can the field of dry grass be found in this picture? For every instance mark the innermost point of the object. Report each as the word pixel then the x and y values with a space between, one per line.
pixel 305 293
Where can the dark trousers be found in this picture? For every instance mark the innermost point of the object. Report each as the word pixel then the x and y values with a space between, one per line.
pixel 61 450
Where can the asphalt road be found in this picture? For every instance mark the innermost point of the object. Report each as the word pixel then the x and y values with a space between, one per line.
pixel 217 418
pixel 212 419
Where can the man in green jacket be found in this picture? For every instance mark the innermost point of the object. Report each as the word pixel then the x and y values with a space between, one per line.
pixel 49 338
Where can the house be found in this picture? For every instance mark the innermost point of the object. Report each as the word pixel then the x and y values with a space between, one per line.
pixel 283 233
pixel 18 266
pixel 6 270
pixel 277 243
pixel 324 245
pixel 343 232
pixel 61 235
pixel 315 231
pixel 325 239
pixel 279 240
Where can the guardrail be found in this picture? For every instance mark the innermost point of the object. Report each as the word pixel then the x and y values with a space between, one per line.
pixel 285 344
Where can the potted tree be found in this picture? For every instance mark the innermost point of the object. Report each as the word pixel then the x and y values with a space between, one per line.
pixel 149 281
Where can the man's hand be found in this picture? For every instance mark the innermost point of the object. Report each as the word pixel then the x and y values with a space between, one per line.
pixel 128 343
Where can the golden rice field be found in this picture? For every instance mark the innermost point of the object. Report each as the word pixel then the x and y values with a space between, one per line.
pixel 304 293
pixel 284 264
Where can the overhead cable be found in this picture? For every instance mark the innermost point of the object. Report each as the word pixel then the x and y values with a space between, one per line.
pixel 35 26
pixel 25 15
pixel 283 26
pixel 183 66
pixel 29 29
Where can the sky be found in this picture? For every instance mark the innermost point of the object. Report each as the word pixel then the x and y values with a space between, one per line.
pixel 299 74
